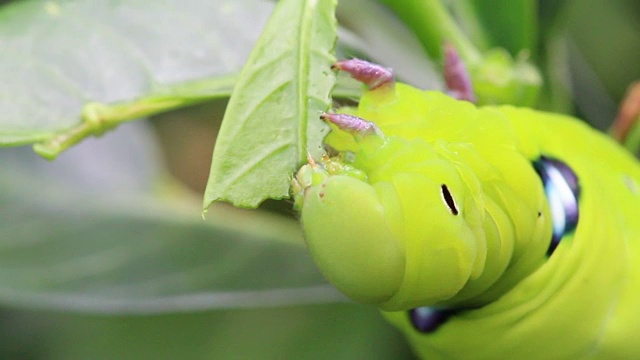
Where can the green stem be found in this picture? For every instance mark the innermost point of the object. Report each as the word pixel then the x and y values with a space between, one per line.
pixel 98 117
pixel 434 25
pixel 471 23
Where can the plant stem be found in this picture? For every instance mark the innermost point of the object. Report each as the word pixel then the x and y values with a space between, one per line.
pixel 433 25
pixel 98 118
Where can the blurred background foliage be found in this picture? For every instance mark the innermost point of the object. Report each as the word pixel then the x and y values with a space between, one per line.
pixel 103 254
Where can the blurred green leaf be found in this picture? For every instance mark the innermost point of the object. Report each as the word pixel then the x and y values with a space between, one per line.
pixel 608 45
pixel 501 79
pixel 146 56
pixel 271 123
pixel 78 236
pixel 338 331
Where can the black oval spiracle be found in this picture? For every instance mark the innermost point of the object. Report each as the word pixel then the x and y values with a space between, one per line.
pixel 428 319
pixel 562 189
pixel 448 199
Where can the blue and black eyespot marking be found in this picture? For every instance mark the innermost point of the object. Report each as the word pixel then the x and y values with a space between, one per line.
pixel 562 188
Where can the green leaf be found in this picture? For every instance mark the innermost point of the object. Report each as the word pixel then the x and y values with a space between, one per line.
pixel 271 122
pixel 337 332
pixel 85 236
pixel 62 61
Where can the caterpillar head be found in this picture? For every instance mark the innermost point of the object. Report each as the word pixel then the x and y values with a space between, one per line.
pixel 408 213
pixel 360 226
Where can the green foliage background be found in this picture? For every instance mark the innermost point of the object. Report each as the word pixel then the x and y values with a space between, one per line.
pixel 103 252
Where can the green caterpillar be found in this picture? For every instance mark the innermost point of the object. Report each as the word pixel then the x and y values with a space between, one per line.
pixel 481 232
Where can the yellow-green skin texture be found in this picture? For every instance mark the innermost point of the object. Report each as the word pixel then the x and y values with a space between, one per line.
pixel 376 224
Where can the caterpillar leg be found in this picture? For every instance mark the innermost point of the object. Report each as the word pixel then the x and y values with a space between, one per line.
pixel 375 76
pixel 456 75
pixel 370 74
pixel 352 124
